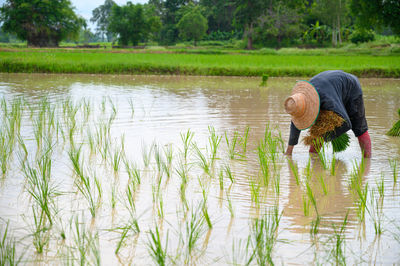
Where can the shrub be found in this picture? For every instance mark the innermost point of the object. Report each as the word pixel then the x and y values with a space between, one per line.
pixel 360 36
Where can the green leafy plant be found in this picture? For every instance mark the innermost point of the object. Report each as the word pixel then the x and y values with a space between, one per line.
pixel 264 80
pixel 395 130
pixel 341 143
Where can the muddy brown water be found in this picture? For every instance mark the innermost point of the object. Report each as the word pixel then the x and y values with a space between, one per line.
pixel 156 110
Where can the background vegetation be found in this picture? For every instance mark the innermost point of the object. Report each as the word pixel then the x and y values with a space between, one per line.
pixel 242 23
pixel 285 62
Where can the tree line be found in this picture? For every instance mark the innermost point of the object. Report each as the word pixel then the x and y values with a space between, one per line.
pixel 261 23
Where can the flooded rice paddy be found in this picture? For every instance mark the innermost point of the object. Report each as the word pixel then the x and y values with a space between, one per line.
pixel 187 170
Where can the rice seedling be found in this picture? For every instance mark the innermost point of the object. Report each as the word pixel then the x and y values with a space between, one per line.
pixel 159 161
pixel 314 228
pixel 338 239
pixel 244 141
pixel 270 144
pixel 187 141
pixel 90 188
pixel 277 183
pixel 204 209
pixel 311 196
pixel 94 245
pixel 357 188
pixel 128 230
pixel 221 179
pixel 319 142
pixel 146 154
pixel 333 166
pixel 156 249
pixel 113 195
pixel 103 105
pixel 228 173
pixel 240 253
pixel 381 187
pixel 394 165
pixel 167 164
pixel 40 231
pixel 5 151
pixel 8 248
pixel 294 170
pixel 113 114
pixel 214 141
pixel 71 120
pixel 264 163
pixel 133 171
pixel 116 159
pixel 306 205
pixel 255 191
pixel 87 109
pixel 103 136
pixel 91 141
pixel 130 101
pixel 24 148
pixel 182 172
pixel 13 120
pixel 231 144
pixel 395 130
pixel 263 237
pixel 206 215
pixel 362 202
pixel 308 170
pixel 75 157
pixel 202 160
pixel 160 207
pixel 376 213
pixel 194 229
pixel 81 239
pixel 39 183
pixel 182 193
pixel 323 184
pixel 230 206
pixel 130 194
pixel 264 80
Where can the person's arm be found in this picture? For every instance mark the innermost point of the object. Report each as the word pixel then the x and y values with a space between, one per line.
pixel 293 138
pixel 365 144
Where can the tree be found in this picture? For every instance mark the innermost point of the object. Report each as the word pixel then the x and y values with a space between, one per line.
pixel 246 14
pixel 153 19
pixel 129 23
pixel 40 22
pixel 378 13
pixel 333 13
pixel 170 17
pixel 101 16
pixel 193 25
pixel 280 20
pixel 219 14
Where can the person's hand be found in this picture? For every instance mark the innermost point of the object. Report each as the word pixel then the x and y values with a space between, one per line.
pixel 289 150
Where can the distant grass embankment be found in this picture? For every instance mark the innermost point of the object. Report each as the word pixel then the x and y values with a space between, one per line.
pixel 181 63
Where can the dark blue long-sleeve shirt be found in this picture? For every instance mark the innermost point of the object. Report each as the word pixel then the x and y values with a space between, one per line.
pixel 341 93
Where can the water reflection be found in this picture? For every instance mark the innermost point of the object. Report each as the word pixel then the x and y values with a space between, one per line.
pixel 156 109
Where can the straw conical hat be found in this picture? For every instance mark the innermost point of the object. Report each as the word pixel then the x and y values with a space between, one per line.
pixel 303 105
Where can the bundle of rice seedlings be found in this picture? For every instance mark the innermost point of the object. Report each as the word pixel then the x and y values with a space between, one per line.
pixel 395 130
pixel 341 143
pixel 325 124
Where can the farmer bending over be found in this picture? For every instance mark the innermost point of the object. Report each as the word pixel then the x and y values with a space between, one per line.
pixel 330 104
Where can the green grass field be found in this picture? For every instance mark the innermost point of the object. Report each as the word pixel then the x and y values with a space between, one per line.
pixel 194 62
